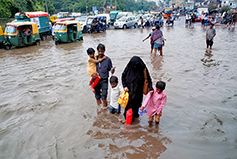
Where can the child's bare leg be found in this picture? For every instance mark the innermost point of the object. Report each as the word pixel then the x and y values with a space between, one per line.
pixel 160 51
pixel 150 119
pixel 151 50
pixel 155 50
pixel 157 118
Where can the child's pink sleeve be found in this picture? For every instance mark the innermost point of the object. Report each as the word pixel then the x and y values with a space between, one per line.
pixel 144 104
pixel 162 104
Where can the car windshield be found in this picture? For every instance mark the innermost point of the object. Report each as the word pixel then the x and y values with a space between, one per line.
pixel 120 16
pixel 10 29
pixel 123 19
pixel 81 19
pixel 60 27
pixel 89 21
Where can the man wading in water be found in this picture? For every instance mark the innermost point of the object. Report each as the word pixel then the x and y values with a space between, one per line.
pixel 210 34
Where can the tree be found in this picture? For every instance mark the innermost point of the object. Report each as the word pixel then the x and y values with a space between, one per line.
pixel 225 9
pixel 211 7
pixel 5 8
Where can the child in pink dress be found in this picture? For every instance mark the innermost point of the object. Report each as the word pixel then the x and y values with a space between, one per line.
pixel 155 102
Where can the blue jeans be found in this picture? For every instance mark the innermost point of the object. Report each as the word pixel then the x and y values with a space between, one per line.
pixel 157 45
pixel 113 110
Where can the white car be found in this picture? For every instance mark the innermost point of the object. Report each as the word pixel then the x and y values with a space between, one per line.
pixel 126 22
pixel 83 20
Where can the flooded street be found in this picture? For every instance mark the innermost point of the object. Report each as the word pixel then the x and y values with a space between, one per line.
pixel 48 110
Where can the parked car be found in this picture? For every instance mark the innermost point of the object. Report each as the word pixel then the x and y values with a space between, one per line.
pixel 82 20
pixel 126 22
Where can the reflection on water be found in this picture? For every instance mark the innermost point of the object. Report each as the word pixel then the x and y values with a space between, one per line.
pixel 48 110
pixel 207 60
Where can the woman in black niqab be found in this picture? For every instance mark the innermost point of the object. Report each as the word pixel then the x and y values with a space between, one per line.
pixel 133 81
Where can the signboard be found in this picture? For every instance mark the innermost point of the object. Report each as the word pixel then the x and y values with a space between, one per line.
pixel 36 20
pixel 94 8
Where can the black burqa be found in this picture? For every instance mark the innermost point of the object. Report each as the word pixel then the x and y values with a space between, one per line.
pixel 133 78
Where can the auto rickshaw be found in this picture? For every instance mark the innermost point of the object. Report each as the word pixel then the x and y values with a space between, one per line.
pixel 67 31
pixel 1 36
pixel 98 24
pixel 21 34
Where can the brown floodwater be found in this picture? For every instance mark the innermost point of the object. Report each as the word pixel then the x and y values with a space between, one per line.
pixel 48 110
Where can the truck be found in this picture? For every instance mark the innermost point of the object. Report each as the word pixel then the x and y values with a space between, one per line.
pixel 40 18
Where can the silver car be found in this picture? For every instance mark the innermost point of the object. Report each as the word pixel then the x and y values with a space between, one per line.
pixel 126 22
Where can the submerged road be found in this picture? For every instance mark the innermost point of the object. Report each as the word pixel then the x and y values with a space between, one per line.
pixel 48 111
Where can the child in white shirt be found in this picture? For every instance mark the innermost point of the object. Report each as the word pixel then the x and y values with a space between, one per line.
pixel 116 90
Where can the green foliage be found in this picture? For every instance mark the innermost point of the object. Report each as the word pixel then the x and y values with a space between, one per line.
pixel 225 9
pixel 80 5
pixel 8 8
pixel 211 7
pixel 5 8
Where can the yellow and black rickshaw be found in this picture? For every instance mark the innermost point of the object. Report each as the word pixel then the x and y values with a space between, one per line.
pixel 21 34
pixel 67 31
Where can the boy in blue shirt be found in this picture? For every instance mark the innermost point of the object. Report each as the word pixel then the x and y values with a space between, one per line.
pixel 103 68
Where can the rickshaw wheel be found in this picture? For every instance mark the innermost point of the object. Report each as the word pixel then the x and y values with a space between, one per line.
pixel 81 38
pixel 37 43
pixel 56 42
pixel 7 47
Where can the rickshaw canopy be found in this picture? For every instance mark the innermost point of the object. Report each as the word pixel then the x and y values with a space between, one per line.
pixel 70 23
pixel 63 19
pixel 34 26
pixel 32 14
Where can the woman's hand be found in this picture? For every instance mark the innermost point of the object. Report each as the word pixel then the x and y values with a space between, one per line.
pixel 126 89
pixel 141 109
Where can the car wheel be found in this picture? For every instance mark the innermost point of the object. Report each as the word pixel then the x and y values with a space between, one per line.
pixel 124 26
pixel 135 25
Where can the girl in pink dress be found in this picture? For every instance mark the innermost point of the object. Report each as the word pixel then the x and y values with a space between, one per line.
pixel 155 102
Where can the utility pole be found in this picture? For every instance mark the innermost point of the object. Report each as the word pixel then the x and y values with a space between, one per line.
pixel 142 5
pixel 46 6
pixel 110 5
pixel 115 4
pixel 86 8
pixel 104 5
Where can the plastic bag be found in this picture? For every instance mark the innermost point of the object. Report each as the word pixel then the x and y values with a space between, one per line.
pixel 123 99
